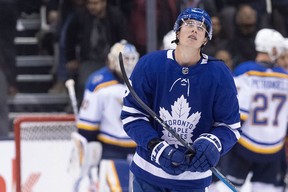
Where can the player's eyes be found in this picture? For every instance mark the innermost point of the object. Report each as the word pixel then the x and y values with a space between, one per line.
pixel 191 24
pixel 200 28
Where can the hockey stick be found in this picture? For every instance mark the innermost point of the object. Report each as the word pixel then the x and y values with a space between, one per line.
pixel 71 92
pixel 89 153
pixel 167 127
pixel 76 138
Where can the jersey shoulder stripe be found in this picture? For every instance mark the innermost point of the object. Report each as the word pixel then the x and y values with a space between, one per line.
pixel 267 74
pixel 100 79
pixel 105 84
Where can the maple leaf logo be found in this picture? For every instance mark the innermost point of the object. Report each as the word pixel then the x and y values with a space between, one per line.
pixel 180 121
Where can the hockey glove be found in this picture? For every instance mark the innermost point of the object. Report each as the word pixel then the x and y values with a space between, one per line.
pixel 172 160
pixel 208 148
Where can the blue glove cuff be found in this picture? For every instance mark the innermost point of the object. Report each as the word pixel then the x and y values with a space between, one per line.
pixel 158 150
pixel 211 138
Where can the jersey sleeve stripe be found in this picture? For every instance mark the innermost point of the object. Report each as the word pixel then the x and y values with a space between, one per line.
pixel 230 126
pixel 233 127
pixel 133 110
pixel 87 127
pixel 122 142
pixel 85 121
pixel 131 119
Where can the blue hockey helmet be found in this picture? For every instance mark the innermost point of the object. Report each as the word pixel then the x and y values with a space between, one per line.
pixel 197 14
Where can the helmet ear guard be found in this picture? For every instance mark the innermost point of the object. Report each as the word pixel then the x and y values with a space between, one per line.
pixel 130 57
pixel 197 14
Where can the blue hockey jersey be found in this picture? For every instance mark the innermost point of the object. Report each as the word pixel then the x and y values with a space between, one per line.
pixel 191 100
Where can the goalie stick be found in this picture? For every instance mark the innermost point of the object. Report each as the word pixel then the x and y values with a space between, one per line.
pixel 217 173
pixel 89 154
pixel 71 92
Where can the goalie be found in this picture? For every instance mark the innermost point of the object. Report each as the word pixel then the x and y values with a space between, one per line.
pixel 99 115
pixel 100 130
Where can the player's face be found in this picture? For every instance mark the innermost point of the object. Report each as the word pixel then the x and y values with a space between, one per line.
pixel 282 61
pixel 129 62
pixel 96 7
pixel 192 33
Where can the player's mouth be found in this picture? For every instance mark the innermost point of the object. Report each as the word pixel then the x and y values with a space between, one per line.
pixel 193 37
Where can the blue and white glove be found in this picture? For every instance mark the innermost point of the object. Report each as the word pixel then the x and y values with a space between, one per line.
pixel 208 148
pixel 172 160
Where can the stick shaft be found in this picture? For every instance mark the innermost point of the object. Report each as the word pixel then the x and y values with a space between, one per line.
pixel 72 95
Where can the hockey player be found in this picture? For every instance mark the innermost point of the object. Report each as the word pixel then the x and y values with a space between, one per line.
pixel 99 115
pixel 196 95
pixel 282 61
pixel 262 90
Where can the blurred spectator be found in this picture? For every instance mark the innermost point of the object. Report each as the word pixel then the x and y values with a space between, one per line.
pixel 228 8
pixel 28 6
pixel 279 16
pixel 67 11
pixel 214 7
pixel 246 19
pixel 219 41
pixel 8 17
pixel 88 39
pixel 167 12
pixel 191 3
pixel 282 61
pixel 47 34
pixel 225 55
pixel 245 30
pixel 4 110
pixel 126 6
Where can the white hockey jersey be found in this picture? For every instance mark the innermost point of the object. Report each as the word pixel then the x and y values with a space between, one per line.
pixel 263 106
pixel 100 111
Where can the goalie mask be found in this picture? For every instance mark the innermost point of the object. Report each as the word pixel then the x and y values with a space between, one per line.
pixel 197 14
pixel 269 41
pixel 130 57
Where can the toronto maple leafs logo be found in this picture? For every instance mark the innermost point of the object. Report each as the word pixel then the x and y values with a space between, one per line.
pixel 180 121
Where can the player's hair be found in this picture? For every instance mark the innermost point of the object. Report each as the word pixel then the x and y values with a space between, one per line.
pixel 197 14
pixel 267 39
pixel 128 50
